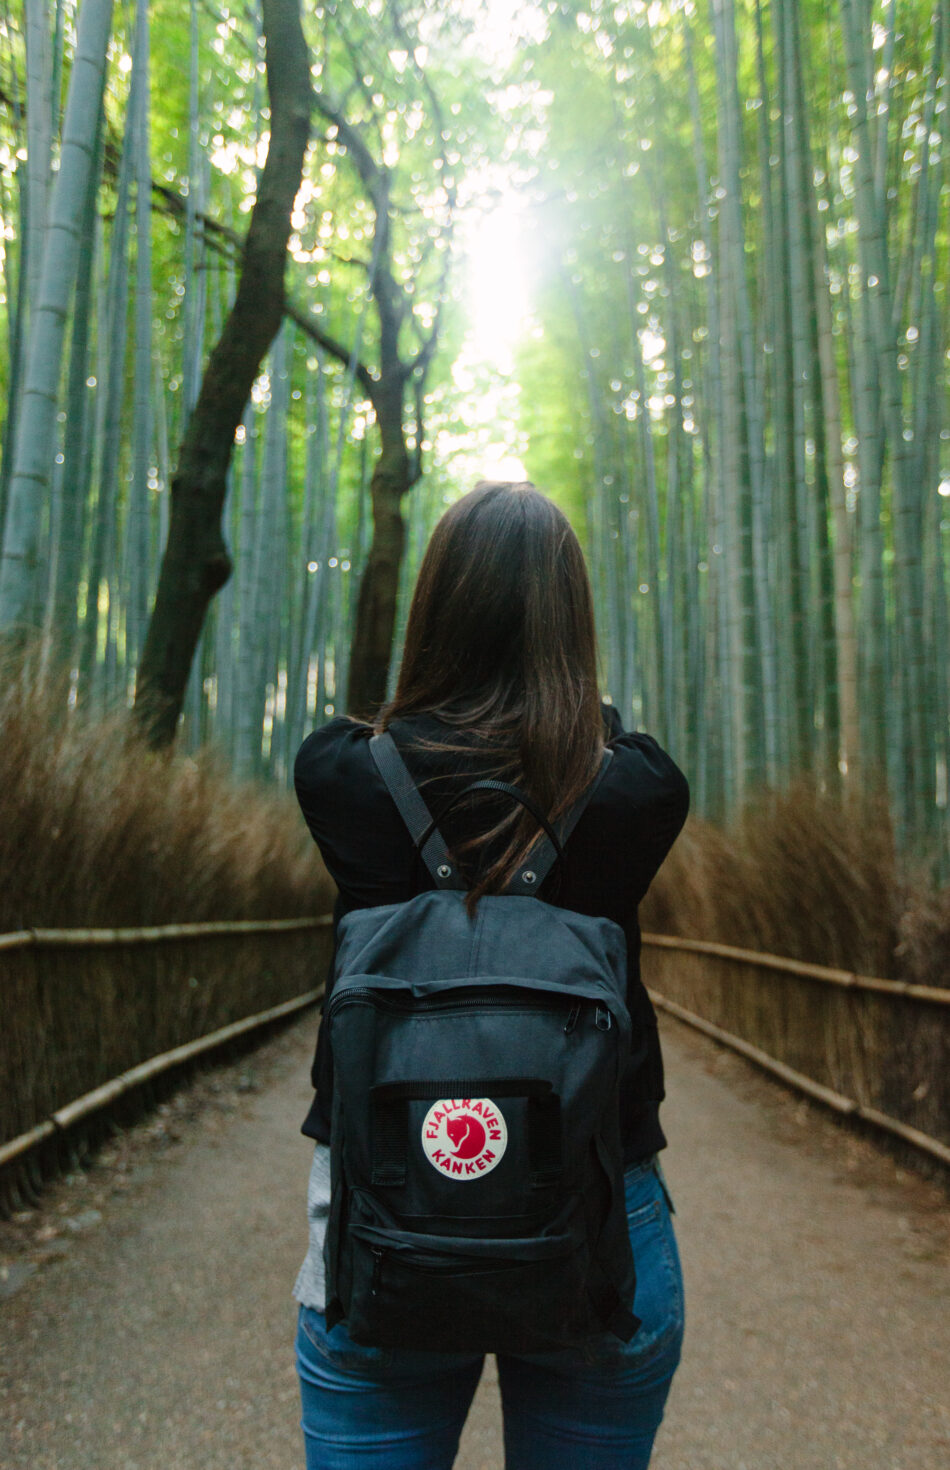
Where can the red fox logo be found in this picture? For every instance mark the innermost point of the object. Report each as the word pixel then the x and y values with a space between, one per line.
pixel 468 1135
pixel 464 1137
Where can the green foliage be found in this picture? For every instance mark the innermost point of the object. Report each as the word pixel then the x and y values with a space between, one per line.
pixel 610 125
pixel 629 184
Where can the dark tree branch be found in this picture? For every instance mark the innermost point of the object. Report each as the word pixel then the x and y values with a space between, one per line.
pixel 196 562
pixel 389 297
pixel 349 135
pixel 420 363
pixel 415 463
pixel 397 468
pixel 308 323
pixel 434 102
pixel 364 265
pixel 228 243
pixel 423 357
pixel 358 84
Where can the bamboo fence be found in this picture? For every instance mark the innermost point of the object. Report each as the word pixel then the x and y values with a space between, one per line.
pixel 872 1049
pixel 88 1015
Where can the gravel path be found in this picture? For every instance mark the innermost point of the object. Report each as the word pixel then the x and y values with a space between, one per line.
pixel 146 1323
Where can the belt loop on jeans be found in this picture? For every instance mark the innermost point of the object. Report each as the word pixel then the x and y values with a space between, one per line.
pixel 639 1167
pixel 661 1179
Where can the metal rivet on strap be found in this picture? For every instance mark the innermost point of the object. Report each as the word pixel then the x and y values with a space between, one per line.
pixel 444 871
pixel 529 877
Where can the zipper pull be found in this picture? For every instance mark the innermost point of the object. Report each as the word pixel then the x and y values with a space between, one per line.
pixel 572 1019
pixel 602 1020
pixel 377 1271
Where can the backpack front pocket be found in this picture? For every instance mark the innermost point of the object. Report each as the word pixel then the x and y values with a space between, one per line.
pixel 449 1293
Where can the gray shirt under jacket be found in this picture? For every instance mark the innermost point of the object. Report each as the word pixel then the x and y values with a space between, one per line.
pixel 310 1286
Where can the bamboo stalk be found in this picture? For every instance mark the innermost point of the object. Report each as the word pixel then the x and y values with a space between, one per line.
pixel 845 978
pixel 844 1105
pixel 39 127
pixel 90 1102
pixel 96 672
pixel 74 476
pixel 150 934
pixel 136 588
pixel 30 481
pixel 244 733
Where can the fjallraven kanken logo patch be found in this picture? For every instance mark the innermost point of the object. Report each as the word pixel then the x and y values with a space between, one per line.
pixel 464 1137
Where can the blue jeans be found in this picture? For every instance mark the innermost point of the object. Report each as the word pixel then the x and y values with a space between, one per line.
pixel 600 1409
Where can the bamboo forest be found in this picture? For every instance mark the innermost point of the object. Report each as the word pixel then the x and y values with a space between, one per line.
pixel 281 281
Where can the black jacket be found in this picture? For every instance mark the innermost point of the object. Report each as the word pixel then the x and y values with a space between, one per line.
pixel 610 860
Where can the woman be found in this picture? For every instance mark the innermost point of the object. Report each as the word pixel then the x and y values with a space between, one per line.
pixel 499 678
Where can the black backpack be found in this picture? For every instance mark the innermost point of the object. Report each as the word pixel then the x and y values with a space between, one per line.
pixel 477 1199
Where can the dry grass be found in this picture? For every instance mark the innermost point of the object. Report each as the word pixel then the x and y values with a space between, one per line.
pixel 800 875
pixel 96 831
pixel 924 928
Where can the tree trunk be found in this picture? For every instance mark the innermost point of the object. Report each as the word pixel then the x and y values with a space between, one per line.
pixel 36 434
pixel 246 735
pixel 75 474
pixel 379 587
pixel 136 612
pixel 108 435
pixel 196 562
pixel 752 686
pixel 916 790
pixel 39 129
pixel 716 716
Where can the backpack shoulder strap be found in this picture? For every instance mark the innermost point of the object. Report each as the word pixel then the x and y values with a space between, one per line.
pixel 434 852
pixel 413 810
pixel 566 824
pixel 542 857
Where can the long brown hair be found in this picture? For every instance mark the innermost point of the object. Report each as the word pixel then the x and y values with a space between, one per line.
pixel 500 644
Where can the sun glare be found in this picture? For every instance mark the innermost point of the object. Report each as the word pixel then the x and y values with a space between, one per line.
pixel 484 444
pixel 505 467
pixel 497 288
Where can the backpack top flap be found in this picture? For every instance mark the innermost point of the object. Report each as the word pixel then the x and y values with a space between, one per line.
pixel 431 943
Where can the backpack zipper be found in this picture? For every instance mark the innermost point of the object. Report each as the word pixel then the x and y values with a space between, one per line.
pixel 363 993
pixel 377 1255
pixel 451 1266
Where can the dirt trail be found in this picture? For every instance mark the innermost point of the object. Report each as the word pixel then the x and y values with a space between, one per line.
pixel 155 1331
